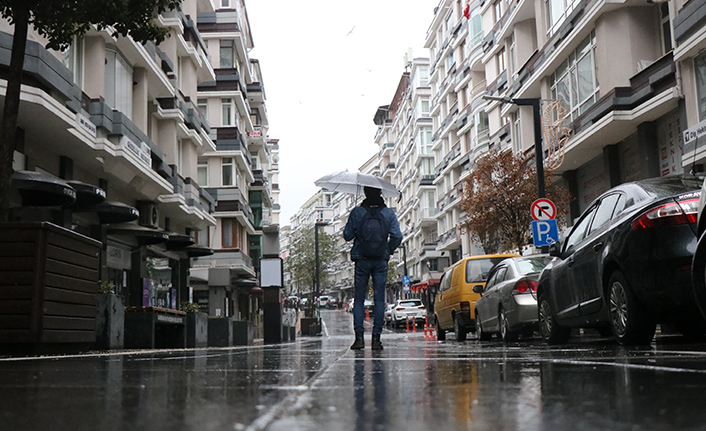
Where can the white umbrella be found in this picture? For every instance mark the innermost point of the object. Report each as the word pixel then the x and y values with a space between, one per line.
pixel 353 183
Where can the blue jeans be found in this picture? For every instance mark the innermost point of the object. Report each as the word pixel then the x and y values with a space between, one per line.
pixel 364 269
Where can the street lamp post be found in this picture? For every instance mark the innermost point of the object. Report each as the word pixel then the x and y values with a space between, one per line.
pixel 316 251
pixel 538 150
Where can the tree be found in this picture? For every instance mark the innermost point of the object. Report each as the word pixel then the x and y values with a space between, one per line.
pixel 497 197
pixel 59 21
pixel 302 262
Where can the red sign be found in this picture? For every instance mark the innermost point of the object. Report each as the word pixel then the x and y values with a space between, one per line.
pixel 543 209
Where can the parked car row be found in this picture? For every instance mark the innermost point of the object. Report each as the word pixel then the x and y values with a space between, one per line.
pixel 635 258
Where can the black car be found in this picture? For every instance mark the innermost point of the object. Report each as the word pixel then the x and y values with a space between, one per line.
pixel 625 266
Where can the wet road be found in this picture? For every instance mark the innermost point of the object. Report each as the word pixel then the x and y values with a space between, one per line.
pixel 316 383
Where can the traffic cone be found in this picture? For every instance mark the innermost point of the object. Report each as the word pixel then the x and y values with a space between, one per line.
pixel 407 320
pixel 367 314
pixel 414 325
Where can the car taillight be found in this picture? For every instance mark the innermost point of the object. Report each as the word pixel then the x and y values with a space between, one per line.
pixel 671 214
pixel 421 307
pixel 399 308
pixel 525 286
pixel 465 306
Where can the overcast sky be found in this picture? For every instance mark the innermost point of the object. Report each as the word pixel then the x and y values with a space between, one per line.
pixel 327 66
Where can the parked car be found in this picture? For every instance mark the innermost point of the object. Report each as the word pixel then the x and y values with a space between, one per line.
pixel 369 305
pixel 332 302
pixel 322 301
pixel 625 265
pixel 698 264
pixel 388 313
pixel 412 309
pixel 508 304
pixel 454 308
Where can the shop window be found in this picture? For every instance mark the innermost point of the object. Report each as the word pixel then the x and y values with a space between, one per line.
pixel 230 233
pixel 162 293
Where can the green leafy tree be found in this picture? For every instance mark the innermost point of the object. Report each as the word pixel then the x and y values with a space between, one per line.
pixel 497 197
pixel 59 21
pixel 301 264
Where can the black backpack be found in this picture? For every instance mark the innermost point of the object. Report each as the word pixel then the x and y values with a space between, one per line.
pixel 372 235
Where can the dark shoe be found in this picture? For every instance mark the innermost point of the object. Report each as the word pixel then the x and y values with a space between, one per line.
pixel 376 344
pixel 359 343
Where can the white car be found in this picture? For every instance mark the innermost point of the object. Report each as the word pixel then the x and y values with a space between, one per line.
pixel 388 314
pixel 323 302
pixel 411 309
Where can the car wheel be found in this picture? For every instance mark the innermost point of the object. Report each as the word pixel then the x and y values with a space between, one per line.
pixel 459 329
pixel 505 333
pixel 482 335
pixel 551 331
pixel 440 333
pixel 630 322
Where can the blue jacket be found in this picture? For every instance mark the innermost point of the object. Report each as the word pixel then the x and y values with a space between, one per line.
pixel 356 219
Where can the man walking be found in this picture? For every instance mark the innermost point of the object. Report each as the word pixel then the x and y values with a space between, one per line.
pixel 370 225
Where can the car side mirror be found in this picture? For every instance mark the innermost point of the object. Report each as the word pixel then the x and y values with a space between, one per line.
pixel 555 249
pixel 478 288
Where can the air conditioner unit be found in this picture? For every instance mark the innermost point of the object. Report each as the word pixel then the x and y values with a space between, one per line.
pixel 149 216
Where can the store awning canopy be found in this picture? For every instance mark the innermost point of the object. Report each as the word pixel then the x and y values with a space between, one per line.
pixel 113 212
pixel 143 235
pixel 43 190
pixel 86 195
pixel 178 241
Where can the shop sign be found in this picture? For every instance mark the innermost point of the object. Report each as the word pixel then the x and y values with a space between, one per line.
pixel 257 133
pixel 85 124
pixel 118 258
pixel 694 133
pixel 141 151
pixel 169 319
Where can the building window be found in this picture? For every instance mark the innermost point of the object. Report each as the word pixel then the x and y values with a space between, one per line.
pixel 575 82
pixel 201 237
pixel 501 61
pixel 700 72
pixel 497 10
pixel 666 28
pixel 425 107
pixel 230 235
pixel 202 104
pixel 180 157
pixel 118 82
pixel 512 55
pixel 423 76
pixel 228 54
pixel 225 3
pixel 202 171
pixel 557 11
pixel 517 138
pixel 427 166
pixel 229 175
pixel 227 112
pixel 475 29
pixel 73 60
pixel 425 142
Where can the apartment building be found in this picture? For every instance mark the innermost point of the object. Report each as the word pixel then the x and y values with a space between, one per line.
pixel 238 171
pixel 115 121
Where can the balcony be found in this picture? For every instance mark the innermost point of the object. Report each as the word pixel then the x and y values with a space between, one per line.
pixel 226 265
pixel 449 240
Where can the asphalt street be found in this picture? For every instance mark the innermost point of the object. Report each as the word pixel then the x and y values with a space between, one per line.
pixel 415 383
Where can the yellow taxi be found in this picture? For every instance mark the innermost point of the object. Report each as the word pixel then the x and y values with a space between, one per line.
pixel 455 303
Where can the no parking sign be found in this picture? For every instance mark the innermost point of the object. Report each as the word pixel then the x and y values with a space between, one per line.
pixel 544 228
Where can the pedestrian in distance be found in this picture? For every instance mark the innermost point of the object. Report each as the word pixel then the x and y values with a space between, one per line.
pixel 376 234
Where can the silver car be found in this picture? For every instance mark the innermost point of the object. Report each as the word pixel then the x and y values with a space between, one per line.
pixel 508 304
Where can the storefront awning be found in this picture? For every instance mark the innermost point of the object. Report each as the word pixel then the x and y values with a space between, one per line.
pixel 196 250
pixel 38 189
pixel 113 212
pixel 143 235
pixel 86 195
pixel 178 241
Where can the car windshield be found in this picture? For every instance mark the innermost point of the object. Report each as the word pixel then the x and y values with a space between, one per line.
pixel 415 303
pixel 477 269
pixel 532 264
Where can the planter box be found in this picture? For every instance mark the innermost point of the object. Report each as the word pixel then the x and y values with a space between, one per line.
pixel 154 328
pixel 196 329
pixel 220 332
pixel 310 326
pixel 110 322
pixel 48 284
pixel 243 333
